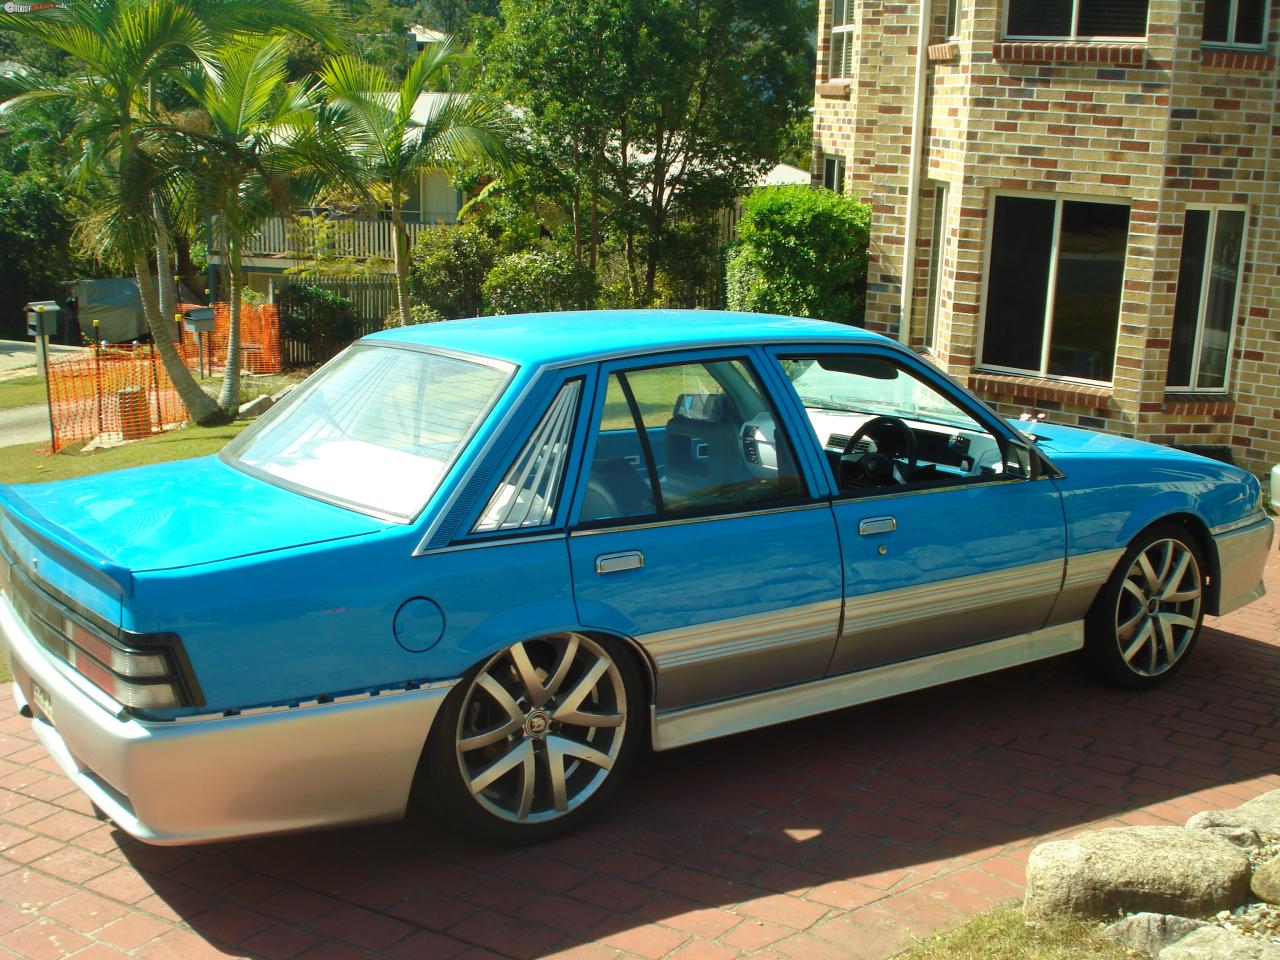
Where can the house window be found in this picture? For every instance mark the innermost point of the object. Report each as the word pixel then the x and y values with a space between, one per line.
pixel 953 19
pixel 840 61
pixel 1208 295
pixel 833 173
pixel 937 237
pixel 1235 22
pixel 1072 19
pixel 1054 282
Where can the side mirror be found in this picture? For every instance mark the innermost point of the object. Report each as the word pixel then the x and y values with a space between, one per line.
pixel 1021 461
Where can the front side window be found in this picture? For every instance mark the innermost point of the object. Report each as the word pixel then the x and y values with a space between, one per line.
pixel 1235 22
pixel 833 173
pixel 1071 19
pixel 883 428
pixel 840 59
pixel 529 492
pixel 375 430
pixel 688 439
pixel 1208 291
pixel 1055 280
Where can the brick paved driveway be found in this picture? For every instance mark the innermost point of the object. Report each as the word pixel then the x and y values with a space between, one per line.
pixel 840 836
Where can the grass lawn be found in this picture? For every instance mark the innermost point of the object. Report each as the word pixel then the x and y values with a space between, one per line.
pixel 21 392
pixel 25 463
pixel 1003 935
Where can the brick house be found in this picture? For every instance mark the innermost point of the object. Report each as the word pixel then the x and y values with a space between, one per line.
pixel 1084 197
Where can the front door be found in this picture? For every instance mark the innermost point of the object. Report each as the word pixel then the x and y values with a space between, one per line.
pixel 698 536
pixel 945 540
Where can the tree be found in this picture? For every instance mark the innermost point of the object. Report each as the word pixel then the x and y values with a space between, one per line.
pixel 800 251
pixel 449 268
pixel 122 50
pixel 647 112
pixel 398 133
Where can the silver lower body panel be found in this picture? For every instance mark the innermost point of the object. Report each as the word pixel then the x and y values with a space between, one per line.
pixel 1242 555
pixel 226 777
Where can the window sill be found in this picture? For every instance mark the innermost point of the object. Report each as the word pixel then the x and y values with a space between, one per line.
pixel 1038 389
pixel 1234 58
pixel 834 89
pixel 1071 51
pixel 1200 404
pixel 944 52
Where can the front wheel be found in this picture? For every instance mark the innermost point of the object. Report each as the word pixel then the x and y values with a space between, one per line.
pixel 533 740
pixel 1145 620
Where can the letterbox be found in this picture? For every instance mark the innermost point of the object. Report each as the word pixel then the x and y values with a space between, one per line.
pixel 42 318
pixel 198 320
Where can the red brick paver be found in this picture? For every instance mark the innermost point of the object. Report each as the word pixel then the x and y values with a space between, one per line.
pixel 836 837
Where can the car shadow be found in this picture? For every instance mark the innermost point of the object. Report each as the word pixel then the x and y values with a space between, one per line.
pixel 861 804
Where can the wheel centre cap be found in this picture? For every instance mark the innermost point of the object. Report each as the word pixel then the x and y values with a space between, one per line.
pixel 537 723
pixel 1153 605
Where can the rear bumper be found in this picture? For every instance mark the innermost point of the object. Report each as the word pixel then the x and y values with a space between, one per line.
pixel 198 780
pixel 1242 555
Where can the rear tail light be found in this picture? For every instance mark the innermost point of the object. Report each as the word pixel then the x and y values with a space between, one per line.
pixel 142 671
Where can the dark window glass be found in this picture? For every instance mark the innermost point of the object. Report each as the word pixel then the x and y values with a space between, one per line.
pixel 1186 310
pixel 833 174
pixel 1091 247
pixel 936 240
pixel 841 12
pixel 1039 18
pixel 1251 18
pixel 952 18
pixel 1112 18
pixel 1017 291
pixel 1217 20
pixel 1215 340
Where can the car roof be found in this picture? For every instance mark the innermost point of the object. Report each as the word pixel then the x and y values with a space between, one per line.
pixel 534 339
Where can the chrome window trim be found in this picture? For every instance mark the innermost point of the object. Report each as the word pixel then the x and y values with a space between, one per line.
pixel 704 518
pixel 531 537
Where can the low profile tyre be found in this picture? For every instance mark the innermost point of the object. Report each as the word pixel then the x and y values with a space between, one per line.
pixel 535 739
pixel 1144 623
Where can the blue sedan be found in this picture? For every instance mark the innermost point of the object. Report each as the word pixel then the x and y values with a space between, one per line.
pixel 478 565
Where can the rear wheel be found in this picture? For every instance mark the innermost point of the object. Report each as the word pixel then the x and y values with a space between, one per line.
pixel 534 739
pixel 1146 619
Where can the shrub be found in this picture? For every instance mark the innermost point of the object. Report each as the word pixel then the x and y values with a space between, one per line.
pixel 418 313
pixel 800 251
pixel 448 267
pixel 538 280
pixel 319 317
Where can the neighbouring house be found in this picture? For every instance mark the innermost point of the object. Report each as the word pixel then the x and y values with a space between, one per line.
pixel 1076 203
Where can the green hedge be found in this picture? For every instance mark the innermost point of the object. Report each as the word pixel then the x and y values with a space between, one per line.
pixel 538 280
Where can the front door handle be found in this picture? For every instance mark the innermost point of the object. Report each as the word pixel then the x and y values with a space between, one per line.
pixel 613 562
pixel 874 525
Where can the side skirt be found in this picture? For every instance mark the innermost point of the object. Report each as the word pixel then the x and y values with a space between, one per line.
pixel 678 728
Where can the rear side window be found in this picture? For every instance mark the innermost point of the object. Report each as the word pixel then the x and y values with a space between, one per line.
pixel 530 491
pixel 688 439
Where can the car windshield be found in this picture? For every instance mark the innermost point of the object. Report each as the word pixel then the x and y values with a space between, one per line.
pixel 875 386
pixel 375 429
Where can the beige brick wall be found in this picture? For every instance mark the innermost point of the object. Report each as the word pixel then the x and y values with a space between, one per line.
pixel 1158 127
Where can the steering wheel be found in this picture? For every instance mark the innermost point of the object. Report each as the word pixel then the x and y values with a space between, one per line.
pixel 876 466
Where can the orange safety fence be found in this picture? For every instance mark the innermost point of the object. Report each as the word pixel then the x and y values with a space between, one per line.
pixel 259 339
pixel 112 394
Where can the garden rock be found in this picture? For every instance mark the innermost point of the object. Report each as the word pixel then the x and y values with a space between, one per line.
pixel 1215 943
pixel 1152 932
pixel 1266 881
pixel 1136 869
pixel 256 407
pixel 1261 814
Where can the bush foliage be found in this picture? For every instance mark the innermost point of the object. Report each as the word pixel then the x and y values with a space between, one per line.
pixel 448 269
pixel 538 280
pixel 317 316
pixel 800 251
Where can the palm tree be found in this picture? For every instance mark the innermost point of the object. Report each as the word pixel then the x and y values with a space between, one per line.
pixel 254 146
pixel 123 47
pixel 398 139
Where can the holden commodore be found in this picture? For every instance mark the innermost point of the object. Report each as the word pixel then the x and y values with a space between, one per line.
pixel 480 564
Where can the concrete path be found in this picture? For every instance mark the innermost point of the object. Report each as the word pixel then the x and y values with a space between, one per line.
pixel 24 425
pixel 18 357
pixel 834 838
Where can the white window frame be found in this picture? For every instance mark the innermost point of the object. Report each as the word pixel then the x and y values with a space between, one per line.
pixel 941 208
pixel 845 30
pixel 1231 44
pixel 1075 27
pixel 1050 300
pixel 1206 276
pixel 831 161
pixel 952 28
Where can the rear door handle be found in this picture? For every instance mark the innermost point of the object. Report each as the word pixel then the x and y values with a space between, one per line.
pixel 614 562
pixel 874 525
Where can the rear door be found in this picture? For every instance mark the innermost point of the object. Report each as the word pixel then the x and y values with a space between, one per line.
pixel 698 534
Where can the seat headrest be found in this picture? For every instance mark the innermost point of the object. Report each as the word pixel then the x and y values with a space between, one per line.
pixel 712 407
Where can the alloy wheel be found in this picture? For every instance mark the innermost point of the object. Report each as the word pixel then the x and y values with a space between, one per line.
pixel 541 728
pixel 1158 608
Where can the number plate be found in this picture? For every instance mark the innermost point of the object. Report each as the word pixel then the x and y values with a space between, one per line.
pixel 40 698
